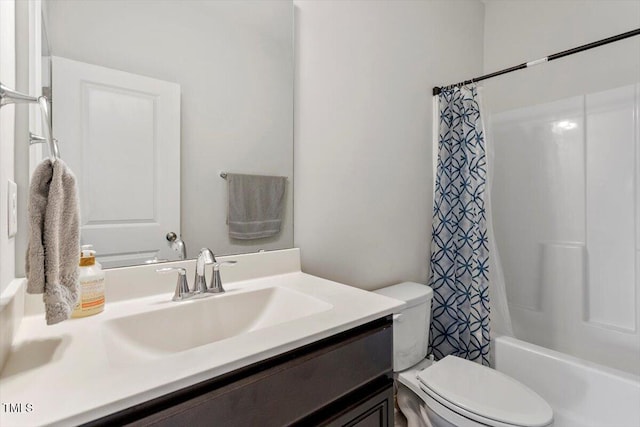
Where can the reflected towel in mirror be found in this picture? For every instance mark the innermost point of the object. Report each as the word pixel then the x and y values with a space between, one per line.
pixel 256 205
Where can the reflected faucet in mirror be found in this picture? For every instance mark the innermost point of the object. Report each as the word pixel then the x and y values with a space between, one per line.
pixel 177 244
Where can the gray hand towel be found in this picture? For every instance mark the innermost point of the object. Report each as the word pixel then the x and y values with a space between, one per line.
pixel 256 205
pixel 54 240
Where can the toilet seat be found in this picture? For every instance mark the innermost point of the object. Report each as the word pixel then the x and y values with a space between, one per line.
pixel 483 394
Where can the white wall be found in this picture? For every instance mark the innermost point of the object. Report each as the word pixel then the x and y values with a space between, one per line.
pixel 524 30
pixel 364 75
pixel 565 194
pixel 7 132
pixel 15 146
pixel 10 305
pixel 234 62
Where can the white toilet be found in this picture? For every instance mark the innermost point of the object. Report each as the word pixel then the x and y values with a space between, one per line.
pixel 453 391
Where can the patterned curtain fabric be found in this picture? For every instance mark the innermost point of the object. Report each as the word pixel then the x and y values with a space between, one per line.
pixel 459 249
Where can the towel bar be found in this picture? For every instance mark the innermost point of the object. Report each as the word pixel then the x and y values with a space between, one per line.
pixel 10 96
pixel 223 175
pixel 37 139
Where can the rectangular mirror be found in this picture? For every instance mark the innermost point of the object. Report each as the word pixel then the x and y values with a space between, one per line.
pixel 152 100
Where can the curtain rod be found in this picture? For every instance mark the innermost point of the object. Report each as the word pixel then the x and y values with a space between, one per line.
pixel 438 89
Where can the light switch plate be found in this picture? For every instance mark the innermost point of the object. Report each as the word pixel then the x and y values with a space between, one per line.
pixel 12 208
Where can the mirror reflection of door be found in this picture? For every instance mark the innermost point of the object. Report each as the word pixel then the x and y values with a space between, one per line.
pixel 120 134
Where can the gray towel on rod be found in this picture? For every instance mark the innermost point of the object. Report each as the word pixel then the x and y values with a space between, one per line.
pixel 53 254
pixel 256 205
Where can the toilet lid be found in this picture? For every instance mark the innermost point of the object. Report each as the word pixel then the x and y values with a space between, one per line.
pixel 484 392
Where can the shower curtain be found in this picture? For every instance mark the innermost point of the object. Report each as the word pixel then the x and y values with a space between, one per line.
pixel 459 267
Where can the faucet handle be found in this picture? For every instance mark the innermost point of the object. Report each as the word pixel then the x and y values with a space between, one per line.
pixel 182 286
pixel 216 281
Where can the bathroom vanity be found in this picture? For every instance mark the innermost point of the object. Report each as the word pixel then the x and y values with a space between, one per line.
pixel 345 379
pixel 280 347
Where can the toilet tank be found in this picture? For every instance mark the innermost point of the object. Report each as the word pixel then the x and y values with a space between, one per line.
pixel 411 324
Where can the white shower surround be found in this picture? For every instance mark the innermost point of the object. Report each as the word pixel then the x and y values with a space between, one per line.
pixel 565 199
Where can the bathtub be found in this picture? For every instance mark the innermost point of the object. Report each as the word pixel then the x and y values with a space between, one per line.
pixel 581 393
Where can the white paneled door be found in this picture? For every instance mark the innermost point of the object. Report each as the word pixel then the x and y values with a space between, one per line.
pixel 120 134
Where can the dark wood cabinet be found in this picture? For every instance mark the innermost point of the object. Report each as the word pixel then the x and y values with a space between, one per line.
pixel 371 406
pixel 343 380
pixel 374 412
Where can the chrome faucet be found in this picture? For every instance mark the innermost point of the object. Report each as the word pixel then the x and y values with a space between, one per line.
pixel 200 288
pixel 182 291
pixel 200 282
pixel 216 281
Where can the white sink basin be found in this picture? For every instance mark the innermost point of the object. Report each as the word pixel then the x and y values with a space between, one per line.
pixel 181 326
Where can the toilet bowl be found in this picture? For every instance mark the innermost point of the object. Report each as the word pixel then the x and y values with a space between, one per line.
pixel 453 391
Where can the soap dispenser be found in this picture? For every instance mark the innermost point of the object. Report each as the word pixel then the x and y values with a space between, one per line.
pixel 91 278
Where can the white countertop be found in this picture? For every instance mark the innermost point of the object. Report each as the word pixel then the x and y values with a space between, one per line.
pixel 65 375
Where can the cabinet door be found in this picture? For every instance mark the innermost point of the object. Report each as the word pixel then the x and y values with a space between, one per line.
pixel 376 411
